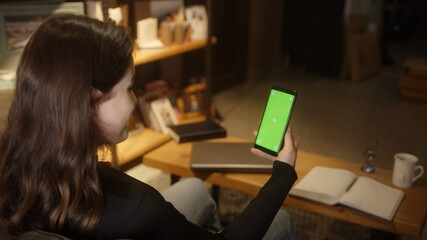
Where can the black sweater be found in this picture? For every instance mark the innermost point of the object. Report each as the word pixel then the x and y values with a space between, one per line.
pixel 135 210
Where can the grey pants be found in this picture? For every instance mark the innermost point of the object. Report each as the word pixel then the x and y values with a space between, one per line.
pixel 191 198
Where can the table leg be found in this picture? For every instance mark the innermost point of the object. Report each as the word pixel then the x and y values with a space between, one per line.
pixel 174 179
pixel 215 194
pixel 382 235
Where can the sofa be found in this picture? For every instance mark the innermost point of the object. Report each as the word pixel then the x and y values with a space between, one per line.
pixel 32 235
pixel 6 97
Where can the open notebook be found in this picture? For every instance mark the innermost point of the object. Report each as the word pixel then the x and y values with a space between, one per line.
pixel 227 157
pixel 339 186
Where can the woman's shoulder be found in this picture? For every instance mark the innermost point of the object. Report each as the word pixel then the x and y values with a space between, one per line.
pixel 114 181
pixel 128 202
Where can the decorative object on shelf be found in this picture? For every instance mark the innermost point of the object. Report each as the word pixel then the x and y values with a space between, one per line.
pixel 167 32
pixel 120 14
pixel 94 9
pixel 160 88
pixel 102 9
pixel 174 29
pixel 155 90
pixel 193 98
pixel 180 33
pixel 198 18
pixel 147 34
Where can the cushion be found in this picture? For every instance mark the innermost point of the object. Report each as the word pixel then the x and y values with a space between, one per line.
pixel 32 235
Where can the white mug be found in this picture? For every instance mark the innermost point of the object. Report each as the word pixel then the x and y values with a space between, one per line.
pixel 404 170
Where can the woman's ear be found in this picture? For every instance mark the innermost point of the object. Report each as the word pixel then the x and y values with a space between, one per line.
pixel 96 96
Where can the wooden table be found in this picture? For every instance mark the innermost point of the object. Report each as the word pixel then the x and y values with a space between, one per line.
pixel 409 219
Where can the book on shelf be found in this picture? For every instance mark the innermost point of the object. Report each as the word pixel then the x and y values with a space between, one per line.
pixel 159 85
pixel 196 131
pixel 339 186
pixel 143 100
pixel 154 91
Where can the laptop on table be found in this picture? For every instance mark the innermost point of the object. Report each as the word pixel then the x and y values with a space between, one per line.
pixel 227 157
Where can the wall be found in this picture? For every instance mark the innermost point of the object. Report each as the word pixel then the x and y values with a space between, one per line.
pixel 264 38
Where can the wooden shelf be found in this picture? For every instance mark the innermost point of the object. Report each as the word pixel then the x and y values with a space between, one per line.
pixel 142 57
pixel 188 118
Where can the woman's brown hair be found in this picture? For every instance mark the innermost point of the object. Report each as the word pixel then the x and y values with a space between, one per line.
pixel 48 164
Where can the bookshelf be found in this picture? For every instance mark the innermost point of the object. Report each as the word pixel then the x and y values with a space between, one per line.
pixel 142 142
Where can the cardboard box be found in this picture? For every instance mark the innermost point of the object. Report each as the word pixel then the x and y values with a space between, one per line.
pixel 356 24
pixel 413 80
pixel 416 67
pixel 363 55
pixel 407 81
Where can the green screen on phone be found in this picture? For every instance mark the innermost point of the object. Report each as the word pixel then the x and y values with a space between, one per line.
pixel 275 120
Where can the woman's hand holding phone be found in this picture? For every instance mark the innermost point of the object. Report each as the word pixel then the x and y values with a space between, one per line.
pixel 287 155
pixel 275 120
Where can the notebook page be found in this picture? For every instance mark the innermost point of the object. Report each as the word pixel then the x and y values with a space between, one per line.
pixel 373 197
pixel 324 184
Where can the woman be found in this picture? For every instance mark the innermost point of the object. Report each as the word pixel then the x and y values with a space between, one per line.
pixel 73 96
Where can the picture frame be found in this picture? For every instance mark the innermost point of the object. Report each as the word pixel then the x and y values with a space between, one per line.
pixel 194 99
pixel 197 16
pixel 164 113
pixel 18 21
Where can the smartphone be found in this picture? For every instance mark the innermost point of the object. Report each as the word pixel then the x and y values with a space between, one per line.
pixel 275 120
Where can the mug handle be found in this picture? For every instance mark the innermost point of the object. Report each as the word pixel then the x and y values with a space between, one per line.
pixel 419 174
